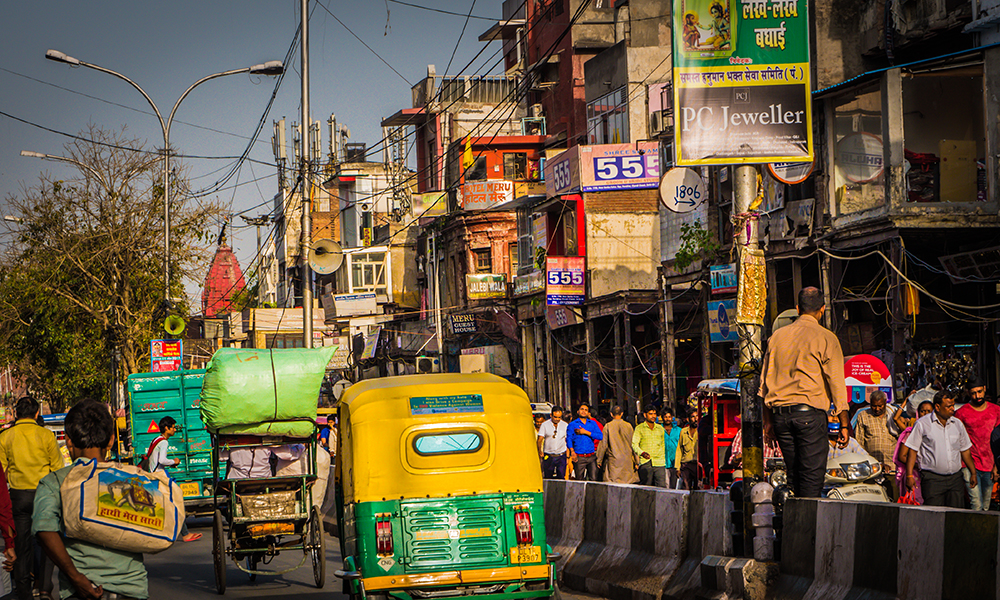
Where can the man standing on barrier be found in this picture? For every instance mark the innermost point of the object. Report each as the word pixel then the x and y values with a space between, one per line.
pixel 803 376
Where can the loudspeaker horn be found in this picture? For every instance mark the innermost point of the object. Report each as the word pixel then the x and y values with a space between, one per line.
pixel 326 257
pixel 174 325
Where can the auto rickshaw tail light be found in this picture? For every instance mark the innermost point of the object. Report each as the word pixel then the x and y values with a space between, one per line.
pixel 522 526
pixel 383 535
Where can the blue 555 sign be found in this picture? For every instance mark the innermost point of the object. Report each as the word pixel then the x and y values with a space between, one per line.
pixel 565 283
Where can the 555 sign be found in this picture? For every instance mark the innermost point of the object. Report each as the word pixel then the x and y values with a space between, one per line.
pixel 565 281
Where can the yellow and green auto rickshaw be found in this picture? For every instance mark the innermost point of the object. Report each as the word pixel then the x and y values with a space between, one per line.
pixel 439 490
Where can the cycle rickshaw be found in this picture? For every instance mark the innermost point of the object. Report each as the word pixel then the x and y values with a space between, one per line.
pixel 264 469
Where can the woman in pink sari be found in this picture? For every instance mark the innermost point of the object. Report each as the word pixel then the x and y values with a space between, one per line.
pixel 901 453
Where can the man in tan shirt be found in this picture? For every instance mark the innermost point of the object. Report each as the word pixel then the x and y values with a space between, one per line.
pixel 802 379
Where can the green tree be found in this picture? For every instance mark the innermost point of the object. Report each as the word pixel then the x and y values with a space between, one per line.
pixel 83 276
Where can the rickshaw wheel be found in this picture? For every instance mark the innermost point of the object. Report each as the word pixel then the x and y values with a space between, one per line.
pixel 317 545
pixel 219 553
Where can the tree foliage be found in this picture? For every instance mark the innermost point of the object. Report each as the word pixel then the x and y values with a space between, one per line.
pixel 696 244
pixel 83 277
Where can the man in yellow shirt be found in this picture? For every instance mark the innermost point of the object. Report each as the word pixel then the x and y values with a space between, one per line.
pixel 28 452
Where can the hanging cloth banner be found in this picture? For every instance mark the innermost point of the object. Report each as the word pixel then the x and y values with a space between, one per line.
pixel 751 298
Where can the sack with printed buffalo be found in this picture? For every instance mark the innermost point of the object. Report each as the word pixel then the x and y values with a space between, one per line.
pixel 122 507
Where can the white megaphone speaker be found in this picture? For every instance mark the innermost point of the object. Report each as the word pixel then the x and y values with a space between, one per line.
pixel 326 257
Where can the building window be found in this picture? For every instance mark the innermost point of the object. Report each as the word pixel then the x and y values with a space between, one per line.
pixel 368 272
pixel 477 171
pixel 607 118
pixel 514 263
pixel 283 340
pixel 859 179
pixel 945 148
pixel 483 260
pixel 515 166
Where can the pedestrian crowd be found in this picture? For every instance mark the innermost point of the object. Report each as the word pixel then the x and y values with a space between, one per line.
pixel 660 451
pixel 929 451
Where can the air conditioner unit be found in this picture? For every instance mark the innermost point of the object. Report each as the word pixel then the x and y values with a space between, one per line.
pixel 656 122
pixel 428 364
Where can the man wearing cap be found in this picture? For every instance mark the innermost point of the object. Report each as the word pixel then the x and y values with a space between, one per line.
pixel 802 378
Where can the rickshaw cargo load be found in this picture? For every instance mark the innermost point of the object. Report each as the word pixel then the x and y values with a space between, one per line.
pixel 262 391
pixel 273 505
pixel 121 507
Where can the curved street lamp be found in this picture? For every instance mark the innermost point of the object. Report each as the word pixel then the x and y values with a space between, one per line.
pixel 274 67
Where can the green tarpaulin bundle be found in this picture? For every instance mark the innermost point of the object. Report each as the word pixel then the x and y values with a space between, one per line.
pixel 263 392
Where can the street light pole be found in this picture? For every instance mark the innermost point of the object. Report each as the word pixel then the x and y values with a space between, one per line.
pixel 306 235
pixel 273 67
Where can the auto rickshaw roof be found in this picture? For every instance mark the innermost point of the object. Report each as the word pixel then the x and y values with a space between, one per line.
pixel 386 389
pixel 720 386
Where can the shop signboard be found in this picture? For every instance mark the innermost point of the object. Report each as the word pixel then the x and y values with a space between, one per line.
pixel 865 374
pixel 741 82
pixel 166 355
pixel 619 167
pixel 464 323
pixel 485 286
pixel 532 283
pixel 429 204
pixel 350 305
pixel 561 316
pixel 722 321
pixel 723 279
pixel 562 173
pixel 565 282
pixel 483 195
pixel 371 344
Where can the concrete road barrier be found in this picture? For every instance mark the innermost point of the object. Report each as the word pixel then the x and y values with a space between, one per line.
pixel 635 542
pixel 835 549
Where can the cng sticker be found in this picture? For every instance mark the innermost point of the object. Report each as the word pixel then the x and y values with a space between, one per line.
pixel 386 563
pixel 153 428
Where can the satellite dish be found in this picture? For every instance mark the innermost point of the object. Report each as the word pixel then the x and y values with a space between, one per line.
pixel 785 318
pixel 174 325
pixel 327 256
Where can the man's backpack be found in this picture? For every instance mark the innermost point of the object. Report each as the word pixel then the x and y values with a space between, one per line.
pixel 144 462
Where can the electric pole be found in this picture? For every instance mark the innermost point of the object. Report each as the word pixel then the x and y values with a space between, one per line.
pixel 751 302
pixel 258 222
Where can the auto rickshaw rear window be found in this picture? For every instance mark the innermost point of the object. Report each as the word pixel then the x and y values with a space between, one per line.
pixel 457 442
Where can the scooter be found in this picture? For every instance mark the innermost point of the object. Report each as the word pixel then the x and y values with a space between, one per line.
pixel 854 476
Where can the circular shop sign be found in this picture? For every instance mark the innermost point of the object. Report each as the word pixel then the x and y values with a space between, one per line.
pixel 791 173
pixel 859 157
pixel 681 190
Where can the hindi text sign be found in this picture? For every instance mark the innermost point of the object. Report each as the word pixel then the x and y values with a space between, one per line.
pixel 741 82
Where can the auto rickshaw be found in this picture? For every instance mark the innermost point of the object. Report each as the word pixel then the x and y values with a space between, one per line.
pixel 439 490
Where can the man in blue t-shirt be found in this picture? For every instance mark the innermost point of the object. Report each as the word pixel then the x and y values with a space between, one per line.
pixel 672 435
pixel 582 438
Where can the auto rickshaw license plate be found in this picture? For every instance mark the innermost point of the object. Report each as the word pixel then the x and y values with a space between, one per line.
pixel 526 554
pixel 191 488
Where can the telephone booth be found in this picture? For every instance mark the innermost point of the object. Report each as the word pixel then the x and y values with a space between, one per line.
pixel 723 404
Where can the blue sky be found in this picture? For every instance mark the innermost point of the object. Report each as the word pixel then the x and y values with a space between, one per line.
pixel 166 46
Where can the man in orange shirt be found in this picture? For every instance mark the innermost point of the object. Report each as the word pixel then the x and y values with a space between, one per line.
pixel 803 378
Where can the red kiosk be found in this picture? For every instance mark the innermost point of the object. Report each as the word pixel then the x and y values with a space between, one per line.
pixel 723 399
